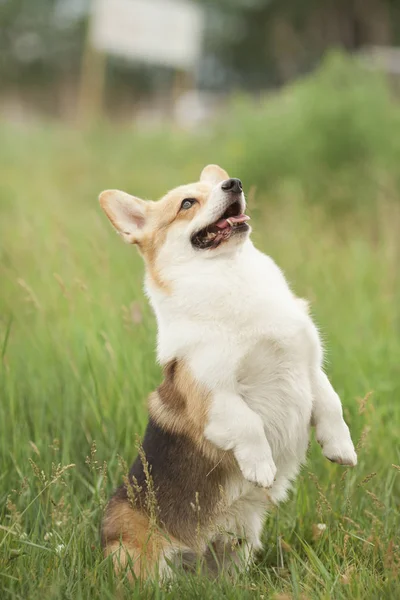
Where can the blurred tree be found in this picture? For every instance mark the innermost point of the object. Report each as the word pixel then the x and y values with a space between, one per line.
pixel 40 47
pixel 258 43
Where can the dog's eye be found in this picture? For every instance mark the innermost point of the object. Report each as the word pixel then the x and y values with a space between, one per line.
pixel 187 203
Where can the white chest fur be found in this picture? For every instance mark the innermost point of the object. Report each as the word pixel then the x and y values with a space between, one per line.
pixel 236 323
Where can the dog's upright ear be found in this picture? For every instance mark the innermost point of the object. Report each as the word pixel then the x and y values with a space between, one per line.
pixel 213 174
pixel 129 215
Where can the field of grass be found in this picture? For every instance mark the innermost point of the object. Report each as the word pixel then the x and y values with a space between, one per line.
pixel 78 362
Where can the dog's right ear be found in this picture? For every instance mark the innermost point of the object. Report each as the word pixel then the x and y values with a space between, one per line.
pixel 127 214
pixel 213 174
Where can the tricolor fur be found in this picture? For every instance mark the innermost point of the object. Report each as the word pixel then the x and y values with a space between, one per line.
pixel 229 426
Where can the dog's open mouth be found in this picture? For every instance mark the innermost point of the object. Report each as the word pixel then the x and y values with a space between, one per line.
pixel 231 222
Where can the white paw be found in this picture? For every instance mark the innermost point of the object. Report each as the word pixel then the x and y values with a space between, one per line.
pixel 336 443
pixel 340 451
pixel 257 468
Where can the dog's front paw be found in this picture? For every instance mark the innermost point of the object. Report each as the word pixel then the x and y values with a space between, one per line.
pixel 341 452
pixel 257 468
pixel 336 443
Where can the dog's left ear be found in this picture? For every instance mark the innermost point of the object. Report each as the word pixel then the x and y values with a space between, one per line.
pixel 128 214
pixel 213 174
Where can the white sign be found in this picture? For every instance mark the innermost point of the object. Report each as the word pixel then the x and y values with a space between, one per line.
pixel 167 32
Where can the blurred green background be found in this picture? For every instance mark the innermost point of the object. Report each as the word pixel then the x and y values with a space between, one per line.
pixel 312 127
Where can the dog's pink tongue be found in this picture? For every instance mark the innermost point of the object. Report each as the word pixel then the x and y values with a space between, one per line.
pixel 223 223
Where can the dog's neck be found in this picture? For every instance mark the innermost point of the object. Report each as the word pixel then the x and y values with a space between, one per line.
pixel 203 293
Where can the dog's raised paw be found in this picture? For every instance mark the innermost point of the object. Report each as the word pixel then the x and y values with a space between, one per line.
pixel 342 454
pixel 259 471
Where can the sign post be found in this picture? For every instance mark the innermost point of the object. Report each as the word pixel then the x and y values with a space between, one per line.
pixel 163 32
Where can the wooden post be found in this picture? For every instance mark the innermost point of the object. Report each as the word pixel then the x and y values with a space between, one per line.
pixel 92 81
pixel 183 81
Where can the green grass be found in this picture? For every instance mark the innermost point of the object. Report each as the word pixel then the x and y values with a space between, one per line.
pixel 78 362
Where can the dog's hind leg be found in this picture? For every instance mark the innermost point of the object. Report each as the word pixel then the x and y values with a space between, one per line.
pixel 136 546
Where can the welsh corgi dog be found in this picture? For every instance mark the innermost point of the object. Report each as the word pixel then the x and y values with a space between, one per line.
pixel 229 425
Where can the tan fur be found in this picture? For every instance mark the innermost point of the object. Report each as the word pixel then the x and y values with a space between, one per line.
pixel 180 404
pixel 135 538
pixel 213 174
pixel 132 540
pixel 165 214
pixel 161 216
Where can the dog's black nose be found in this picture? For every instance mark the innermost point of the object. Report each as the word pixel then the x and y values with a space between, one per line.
pixel 232 185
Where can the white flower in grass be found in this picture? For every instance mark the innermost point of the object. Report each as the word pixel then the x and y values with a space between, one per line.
pixel 59 548
pixel 317 530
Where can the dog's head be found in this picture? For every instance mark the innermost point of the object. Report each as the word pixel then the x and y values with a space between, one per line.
pixel 199 219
